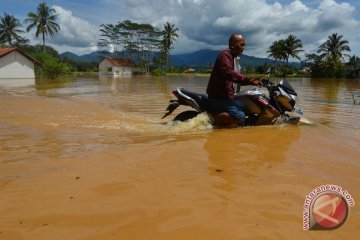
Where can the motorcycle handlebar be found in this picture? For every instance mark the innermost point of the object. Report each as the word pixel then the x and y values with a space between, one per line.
pixel 265 82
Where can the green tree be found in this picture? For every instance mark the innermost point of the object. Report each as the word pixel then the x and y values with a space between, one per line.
pixel 44 21
pixel 112 36
pixel 283 49
pixel 9 31
pixel 333 52
pixel 140 41
pixel 33 49
pixel 335 46
pixel 137 41
pixel 312 63
pixel 354 65
pixel 277 52
pixel 51 67
pixel 292 48
pixel 170 33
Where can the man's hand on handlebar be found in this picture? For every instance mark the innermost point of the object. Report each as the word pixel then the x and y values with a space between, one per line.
pixel 257 82
pixel 265 81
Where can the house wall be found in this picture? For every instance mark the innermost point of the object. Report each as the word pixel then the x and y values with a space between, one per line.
pixel 122 71
pixel 106 68
pixel 103 67
pixel 15 66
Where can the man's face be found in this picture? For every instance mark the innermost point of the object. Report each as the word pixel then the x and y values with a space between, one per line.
pixel 238 46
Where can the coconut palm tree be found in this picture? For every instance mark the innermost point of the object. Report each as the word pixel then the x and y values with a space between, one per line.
pixel 277 52
pixel 333 52
pixel 293 47
pixel 283 49
pixel 9 30
pixel 44 21
pixel 335 46
pixel 169 36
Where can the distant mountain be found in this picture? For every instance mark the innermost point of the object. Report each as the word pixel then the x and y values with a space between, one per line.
pixel 96 56
pixel 199 58
pixel 206 57
pixel 91 57
pixel 71 56
pixel 203 58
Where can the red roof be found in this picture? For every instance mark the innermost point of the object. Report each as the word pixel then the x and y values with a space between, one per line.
pixel 121 62
pixel 6 51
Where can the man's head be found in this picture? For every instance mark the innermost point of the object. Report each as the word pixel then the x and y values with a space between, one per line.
pixel 236 44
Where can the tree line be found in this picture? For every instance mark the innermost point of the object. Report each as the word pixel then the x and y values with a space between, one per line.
pixel 150 47
pixel 328 61
pixel 137 41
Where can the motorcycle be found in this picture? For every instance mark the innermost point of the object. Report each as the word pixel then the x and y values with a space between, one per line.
pixel 259 108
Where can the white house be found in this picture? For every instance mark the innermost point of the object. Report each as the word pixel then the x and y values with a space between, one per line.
pixel 16 67
pixel 116 67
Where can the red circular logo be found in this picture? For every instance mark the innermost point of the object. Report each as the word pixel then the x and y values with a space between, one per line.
pixel 329 210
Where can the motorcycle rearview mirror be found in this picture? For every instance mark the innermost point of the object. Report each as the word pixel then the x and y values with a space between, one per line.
pixel 268 71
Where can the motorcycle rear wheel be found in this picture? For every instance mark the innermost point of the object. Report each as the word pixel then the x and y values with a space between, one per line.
pixel 184 116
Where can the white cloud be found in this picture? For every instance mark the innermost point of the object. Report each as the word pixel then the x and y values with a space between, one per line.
pixel 211 23
pixel 208 24
pixel 75 33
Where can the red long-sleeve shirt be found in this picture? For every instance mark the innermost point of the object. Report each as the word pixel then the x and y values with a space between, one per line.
pixel 223 76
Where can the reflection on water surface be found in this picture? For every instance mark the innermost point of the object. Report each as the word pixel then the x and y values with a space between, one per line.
pixel 90 158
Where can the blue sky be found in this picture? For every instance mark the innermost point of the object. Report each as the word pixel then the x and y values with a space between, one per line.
pixel 202 23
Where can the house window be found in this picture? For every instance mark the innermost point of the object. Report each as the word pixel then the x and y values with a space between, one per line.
pixel 109 69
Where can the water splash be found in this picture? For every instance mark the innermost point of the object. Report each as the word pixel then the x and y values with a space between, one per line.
pixel 139 123
pixel 305 121
pixel 200 122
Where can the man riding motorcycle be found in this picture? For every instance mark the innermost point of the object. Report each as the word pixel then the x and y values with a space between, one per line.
pixel 225 73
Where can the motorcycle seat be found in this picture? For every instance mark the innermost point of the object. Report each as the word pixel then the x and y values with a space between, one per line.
pixel 201 99
pixel 195 96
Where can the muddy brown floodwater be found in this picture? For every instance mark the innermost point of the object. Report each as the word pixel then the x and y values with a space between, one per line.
pixel 90 158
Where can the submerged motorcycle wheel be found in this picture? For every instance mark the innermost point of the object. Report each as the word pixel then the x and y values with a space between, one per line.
pixel 184 116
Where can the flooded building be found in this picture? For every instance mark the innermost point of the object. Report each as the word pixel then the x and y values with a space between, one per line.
pixel 116 67
pixel 16 67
